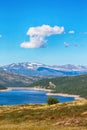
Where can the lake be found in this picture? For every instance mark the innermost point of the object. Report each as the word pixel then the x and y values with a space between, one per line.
pixel 14 97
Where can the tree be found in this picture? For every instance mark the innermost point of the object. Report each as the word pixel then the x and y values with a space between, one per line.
pixel 52 100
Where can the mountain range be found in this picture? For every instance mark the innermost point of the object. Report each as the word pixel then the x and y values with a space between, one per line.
pixel 38 69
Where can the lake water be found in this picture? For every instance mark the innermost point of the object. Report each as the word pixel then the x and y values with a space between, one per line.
pixel 14 97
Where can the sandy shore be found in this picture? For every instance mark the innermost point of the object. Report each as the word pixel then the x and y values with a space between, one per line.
pixel 49 92
pixel 30 88
pixel 65 95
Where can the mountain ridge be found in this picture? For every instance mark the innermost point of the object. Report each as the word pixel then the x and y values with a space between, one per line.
pixel 38 69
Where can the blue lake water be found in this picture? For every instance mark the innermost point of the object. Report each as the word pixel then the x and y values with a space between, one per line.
pixel 14 97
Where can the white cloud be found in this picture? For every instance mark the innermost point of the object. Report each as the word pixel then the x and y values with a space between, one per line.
pixel 38 35
pixel 71 32
pixel 66 44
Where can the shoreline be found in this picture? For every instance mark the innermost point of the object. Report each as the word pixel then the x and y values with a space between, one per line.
pixel 5 90
pixel 49 92
pixel 77 97
pixel 30 88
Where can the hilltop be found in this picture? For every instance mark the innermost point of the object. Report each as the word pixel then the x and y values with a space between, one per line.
pixel 76 85
pixel 62 116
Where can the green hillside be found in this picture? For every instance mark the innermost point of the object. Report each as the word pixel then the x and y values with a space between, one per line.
pixel 72 85
pixel 2 87
pixel 15 80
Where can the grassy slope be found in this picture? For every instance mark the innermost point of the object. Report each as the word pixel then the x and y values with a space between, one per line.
pixel 15 80
pixel 67 116
pixel 71 85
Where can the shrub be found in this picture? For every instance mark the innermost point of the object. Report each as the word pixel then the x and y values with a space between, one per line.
pixel 52 100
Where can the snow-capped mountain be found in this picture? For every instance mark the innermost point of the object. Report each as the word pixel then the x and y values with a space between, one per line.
pixel 70 67
pixel 37 69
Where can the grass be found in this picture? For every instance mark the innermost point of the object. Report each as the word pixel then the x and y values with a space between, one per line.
pixel 36 127
pixel 66 116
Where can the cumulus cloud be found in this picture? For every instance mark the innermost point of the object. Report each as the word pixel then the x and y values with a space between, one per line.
pixel 38 34
pixel 71 32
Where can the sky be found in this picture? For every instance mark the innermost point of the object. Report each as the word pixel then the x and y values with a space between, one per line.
pixel 52 32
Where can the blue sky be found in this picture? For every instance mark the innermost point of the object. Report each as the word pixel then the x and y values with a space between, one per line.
pixel 44 31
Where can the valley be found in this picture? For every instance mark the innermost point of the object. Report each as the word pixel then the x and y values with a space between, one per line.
pixel 62 116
